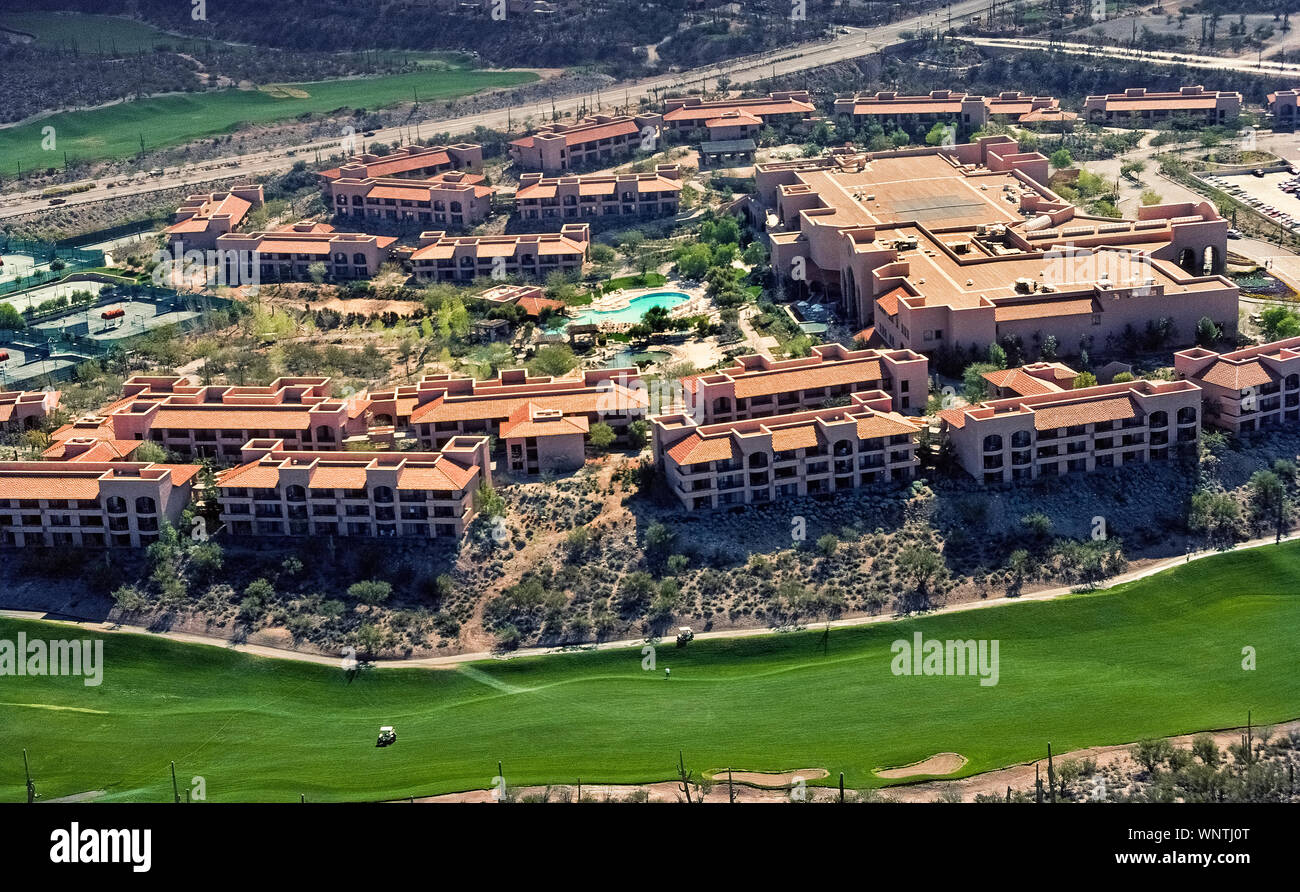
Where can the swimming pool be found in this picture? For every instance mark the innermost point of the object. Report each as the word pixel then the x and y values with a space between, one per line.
pixel 634 310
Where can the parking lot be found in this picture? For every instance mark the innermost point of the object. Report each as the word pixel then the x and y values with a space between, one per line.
pixel 1264 194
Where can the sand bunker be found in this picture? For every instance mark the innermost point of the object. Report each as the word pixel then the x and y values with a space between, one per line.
pixel 939 764
pixel 768 778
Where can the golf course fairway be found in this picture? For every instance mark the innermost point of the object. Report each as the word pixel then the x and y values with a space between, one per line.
pixel 1159 656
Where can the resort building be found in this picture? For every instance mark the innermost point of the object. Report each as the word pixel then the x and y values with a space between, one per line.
pixel 1137 105
pixel 288 254
pixel 946 106
pixel 448 258
pixel 203 218
pixel 214 421
pixel 1030 380
pixel 24 409
pixel 529 298
pixel 598 139
pixel 731 125
pixel 764 460
pixel 692 113
pixel 418 162
pixel 1054 434
pixel 559 199
pixel 441 406
pixel 423 495
pixel 457 199
pixel 1247 390
pixel 1284 106
pixel 758 386
pixel 538 440
pixel 961 246
pixel 90 503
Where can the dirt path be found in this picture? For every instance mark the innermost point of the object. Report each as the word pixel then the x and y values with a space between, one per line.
pixel 450 661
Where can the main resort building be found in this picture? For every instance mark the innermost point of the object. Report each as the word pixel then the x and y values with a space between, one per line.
pixel 962 246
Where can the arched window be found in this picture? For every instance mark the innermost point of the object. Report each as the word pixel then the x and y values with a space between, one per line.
pixel 324 434
pixel 1020 439
pixel 1186 415
pixel 1292 382
pixel 146 505
pixel 993 442
pixel 383 493
pixel 758 460
pixel 1158 419
pixel 340 257
pixel 383 419
pixel 467 261
pixel 722 404
pixel 356 200
pixel 440 205
pixel 295 493
pixel 116 505
pixel 455 207
pixel 359 259
pixel 843 447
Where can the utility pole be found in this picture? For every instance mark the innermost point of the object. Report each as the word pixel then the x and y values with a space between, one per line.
pixel 176 794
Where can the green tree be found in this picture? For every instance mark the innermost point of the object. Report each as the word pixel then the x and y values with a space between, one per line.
pixel 1061 158
pixel 555 360
pixel 1268 502
pixel 1207 332
pixel 600 436
pixel 1085 379
pixel 370 591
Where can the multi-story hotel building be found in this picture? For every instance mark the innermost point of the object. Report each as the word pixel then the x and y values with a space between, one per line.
pixel 1137 104
pixel 763 460
pixel 572 198
pixel 944 106
pixel 441 406
pixel 1284 106
pixel 693 113
pixel 458 199
pixel 90 503
pixel 215 421
pixel 287 254
pixel 961 246
pixel 204 217
pixel 282 492
pixel 758 386
pixel 1053 434
pixel 596 139
pixel 1247 390
pixel 24 409
pixel 449 258
pixel 418 162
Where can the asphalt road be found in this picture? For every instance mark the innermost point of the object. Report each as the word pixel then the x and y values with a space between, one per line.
pixel 857 42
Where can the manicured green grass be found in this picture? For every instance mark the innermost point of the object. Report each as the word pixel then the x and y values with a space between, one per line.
pixel 97 34
pixel 1156 657
pixel 116 131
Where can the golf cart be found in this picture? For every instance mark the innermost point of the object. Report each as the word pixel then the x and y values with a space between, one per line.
pixel 387 736
pixel 684 635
